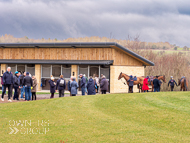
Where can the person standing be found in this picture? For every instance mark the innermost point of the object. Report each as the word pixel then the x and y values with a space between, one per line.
pixel 27 82
pixel 52 86
pixel 104 85
pixel 16 83
pixel 69 85
pixel 145 84
pixel 61 85
pixel 86 83
pixel 22 87
pixel 2 84
pixel 82 84
pixel 131 83
pixel 91 86
pixel 156 84
pixel 34 87
pixel 74 87
pixel 8 81
pixel 171 83
pixel 100 79
pixel 97 82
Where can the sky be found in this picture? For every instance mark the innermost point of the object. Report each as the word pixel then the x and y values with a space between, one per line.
pixel 152 20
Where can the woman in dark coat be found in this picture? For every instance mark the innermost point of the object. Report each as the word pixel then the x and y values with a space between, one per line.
pixel 52 86
pixel 74 86
pixel 91 86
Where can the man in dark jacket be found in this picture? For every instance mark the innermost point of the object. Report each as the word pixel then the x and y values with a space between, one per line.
pixel 156 84
pixel 61 85
pixel 82 84
pixel 27 82
pixel 171 83
pixel 104 85
pixel 16 83
pixel 131 83
pixel 91 86
pixel 8 81
pixel 22 87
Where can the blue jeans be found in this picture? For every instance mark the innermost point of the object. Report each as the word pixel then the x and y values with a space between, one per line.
pixel 83 90
pixel 15 93
pixel 157 89
pixel 3 88
pixel 28 93
pixel 22 91
pixel 86 88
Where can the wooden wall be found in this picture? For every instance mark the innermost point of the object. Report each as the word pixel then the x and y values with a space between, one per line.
pixel 119 57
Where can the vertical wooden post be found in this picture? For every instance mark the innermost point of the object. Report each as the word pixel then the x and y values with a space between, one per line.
pixel 38 75
pixel 3 68
pixel 74 69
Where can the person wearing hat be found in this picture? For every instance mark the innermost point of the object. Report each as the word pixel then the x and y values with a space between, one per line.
pixel 145 84
pixel 52 86
pixel 131 83
pixel 28 83
pixel 171 83
pixel 82 83
pixel 8 81
pixel 16 83
pixel 156 84
pixel 74 86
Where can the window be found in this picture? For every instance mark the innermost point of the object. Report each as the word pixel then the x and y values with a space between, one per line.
pixel 21 68
pixel 46 70
pixel 94 71
pixel 105 70
pixel 66 71
pixel 31 69
pixel 56 70
pixel 83 69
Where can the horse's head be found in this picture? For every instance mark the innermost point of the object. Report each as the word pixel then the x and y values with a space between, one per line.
pixel 164 78
pixel 120 76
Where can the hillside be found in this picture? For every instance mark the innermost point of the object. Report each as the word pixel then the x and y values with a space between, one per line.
pixel 147 117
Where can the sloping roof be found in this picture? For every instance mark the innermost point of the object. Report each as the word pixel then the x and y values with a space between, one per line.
pixel 57 62
pixel 75 45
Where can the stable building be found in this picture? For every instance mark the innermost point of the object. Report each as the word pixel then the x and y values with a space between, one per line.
pixel 71 59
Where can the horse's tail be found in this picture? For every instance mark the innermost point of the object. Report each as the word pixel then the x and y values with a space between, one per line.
pixel 185 84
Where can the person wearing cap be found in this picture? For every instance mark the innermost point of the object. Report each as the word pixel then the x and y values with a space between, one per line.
pixel 28 83
pixel 171 83
pixel 16 84
pixel 82 84
pixel 52 86
pixel 156 84
pixel 8 81
pixel 145 84
pixel 131 83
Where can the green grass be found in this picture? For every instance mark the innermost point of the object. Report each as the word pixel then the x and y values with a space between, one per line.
pixel 146 117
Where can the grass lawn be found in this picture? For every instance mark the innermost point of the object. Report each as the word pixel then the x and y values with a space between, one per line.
pixel 145 117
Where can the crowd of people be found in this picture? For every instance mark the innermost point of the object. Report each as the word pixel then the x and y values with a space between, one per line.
pixel 25 85
pixel 22 83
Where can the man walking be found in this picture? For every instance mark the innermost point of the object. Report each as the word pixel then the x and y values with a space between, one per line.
pixel 27 82
pixel 156 84
pixel 171 82
pixel 61 85
pixel 8 81
pixel 82 84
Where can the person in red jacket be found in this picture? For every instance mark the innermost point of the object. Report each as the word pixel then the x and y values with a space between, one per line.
pixel 145 85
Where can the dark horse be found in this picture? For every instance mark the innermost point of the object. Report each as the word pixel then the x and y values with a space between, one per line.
pixel 139 81
pixel 183 84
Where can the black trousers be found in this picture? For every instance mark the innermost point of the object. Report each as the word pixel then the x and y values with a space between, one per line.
pixel 33 95
pixel 103 91
pixel 97 89
pixel 52 95
pixel 73 94
pixel 172 88
pixel 130 89
pixel 16 94
pixel 9 90
pixel 61 93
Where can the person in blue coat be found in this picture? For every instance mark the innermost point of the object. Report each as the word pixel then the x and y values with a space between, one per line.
pixel 91 86
pixel 61 85
pixel 69 85
pixel 8 81
pixel 74 86
pixel 131 83
pixel 82 83
pixel 52 86
pixel 171 83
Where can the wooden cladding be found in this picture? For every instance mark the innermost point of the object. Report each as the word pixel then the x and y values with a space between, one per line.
pixel 119 57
